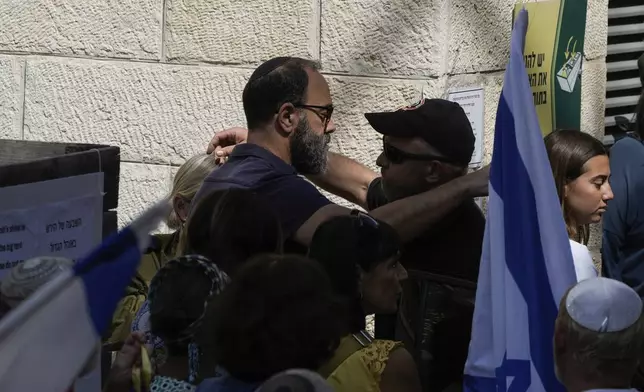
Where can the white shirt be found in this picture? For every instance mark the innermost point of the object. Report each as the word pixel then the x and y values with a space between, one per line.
pixel 584 267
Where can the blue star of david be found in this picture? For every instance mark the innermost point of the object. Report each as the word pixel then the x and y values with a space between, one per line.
pixel 518 369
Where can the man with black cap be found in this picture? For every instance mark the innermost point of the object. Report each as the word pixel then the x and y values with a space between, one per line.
pixel 426 145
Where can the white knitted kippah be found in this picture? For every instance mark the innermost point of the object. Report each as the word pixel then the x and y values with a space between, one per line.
pixel 25 278
pixel 603 305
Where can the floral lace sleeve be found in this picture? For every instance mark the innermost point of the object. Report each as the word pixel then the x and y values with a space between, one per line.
pixel 375 356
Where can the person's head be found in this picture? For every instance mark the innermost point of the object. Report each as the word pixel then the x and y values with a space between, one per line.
pixel 361 256
pixel 580 168
pixel 229 226
pixel 424 145
pixel 186 183
pixel 278 313
pixel 178 296
pixel 599 335
pixel 288 96
pixel 27 277
pixel 296 380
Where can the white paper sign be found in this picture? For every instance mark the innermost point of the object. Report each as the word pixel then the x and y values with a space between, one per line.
pixel 60 218
pixel 472 101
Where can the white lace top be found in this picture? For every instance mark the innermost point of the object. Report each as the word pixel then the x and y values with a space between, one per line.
pixel 167 384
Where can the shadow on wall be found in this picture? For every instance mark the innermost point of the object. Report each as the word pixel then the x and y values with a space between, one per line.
pixel 421 37
pixel 486 29
pixel 383 32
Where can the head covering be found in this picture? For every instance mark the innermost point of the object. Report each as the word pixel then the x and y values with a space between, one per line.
pixel 296 380
pixel 357 237
pixel 218 279
pixel 442 124
pixel 603 305
pixel 29 276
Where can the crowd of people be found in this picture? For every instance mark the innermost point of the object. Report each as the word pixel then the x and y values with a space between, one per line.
pixel 265 283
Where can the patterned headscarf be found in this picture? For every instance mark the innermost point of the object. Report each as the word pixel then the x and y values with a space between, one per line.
pixel 27 277
pixel 218 279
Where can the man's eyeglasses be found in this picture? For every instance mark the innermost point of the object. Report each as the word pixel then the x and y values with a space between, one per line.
pixel 323 112
pixel 397 156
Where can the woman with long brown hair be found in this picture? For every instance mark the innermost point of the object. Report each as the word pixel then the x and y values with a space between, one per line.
pixel 580 168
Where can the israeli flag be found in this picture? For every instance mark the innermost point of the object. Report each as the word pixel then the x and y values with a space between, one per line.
pixel 48 339
pixel 526 265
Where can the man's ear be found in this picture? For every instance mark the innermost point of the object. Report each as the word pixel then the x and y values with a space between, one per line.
pixel 287 119
pixel 433 172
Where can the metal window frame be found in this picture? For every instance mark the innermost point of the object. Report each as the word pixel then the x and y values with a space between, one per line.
pixel 624 67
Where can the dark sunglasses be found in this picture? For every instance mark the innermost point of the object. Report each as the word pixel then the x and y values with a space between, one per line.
pixel 397 156
pixel 323 112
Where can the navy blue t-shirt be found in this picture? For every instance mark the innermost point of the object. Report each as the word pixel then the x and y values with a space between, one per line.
pixel 623 240
pixel 293 198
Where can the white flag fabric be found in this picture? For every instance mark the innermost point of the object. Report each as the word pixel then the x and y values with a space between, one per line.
pixel 526 265
pixel 47 340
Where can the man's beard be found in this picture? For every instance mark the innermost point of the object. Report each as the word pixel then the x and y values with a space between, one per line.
pixel 308 150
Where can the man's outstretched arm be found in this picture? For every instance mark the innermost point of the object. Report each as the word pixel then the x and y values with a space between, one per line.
pixel 413 215
pixel 346 178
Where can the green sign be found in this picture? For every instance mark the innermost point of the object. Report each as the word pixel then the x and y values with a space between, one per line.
pixel 554 57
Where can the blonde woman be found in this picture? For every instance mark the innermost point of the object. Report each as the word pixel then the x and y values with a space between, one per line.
pixel 164 247
pixel 580 168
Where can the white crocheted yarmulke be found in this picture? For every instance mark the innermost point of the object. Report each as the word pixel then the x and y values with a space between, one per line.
pixel 25 278
pixel 603 305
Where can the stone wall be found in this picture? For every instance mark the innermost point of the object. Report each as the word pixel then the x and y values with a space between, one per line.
pixel 159 77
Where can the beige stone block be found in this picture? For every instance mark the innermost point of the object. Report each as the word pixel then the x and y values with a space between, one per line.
pixel 140 186
pixel 405 37
pixel 11 95
pixel 593 97
pixel 479 39
pixel 595 39
pixel 352 97
pixel 241 31
pixel 595 244
pixel 118 28
pixel 155 113
pixel 492 85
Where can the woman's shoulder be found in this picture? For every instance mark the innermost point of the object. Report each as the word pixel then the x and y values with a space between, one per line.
pixel 578 248
pixel 376 355
pixel 583 260
pixel 363 369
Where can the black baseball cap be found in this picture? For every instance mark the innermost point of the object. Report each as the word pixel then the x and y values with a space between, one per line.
pixel 442 124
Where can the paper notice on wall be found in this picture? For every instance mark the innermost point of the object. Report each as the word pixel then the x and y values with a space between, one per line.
pixel 61 218
pixel 472 101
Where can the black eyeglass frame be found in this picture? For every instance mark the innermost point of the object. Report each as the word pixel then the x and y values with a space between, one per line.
pixel 325 117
